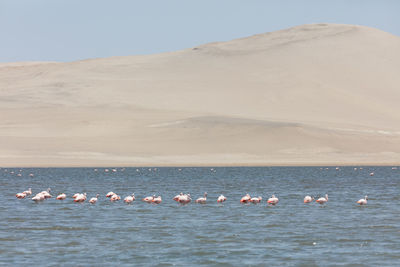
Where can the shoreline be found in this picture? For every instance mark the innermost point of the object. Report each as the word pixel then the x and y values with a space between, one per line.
pixel 216 165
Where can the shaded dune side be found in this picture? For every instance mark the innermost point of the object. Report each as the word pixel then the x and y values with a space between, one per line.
pixel 208 140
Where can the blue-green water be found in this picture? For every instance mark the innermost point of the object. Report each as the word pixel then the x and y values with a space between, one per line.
pixel 64 233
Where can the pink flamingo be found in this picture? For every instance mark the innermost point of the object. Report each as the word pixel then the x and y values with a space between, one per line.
pixel 221 199
pixel 273 200
pixel 110 194
pixel 93 200
pixel 202 200
pixel 81 198
pixel 46 194
pixel 308 199
pixel 20 195
pixel 61 196
pixel 255 200
pixel 115 197
pixel 148 199
pixel 28 192
pixel 38 197
pixel 363 201
pixel 129 199
pixel 245 199
pixel 157 200
pixel 185 199
pixel 176 198
pixel 322 200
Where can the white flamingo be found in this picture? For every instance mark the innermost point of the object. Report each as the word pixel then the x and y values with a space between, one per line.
pixel 148 199
pixel 61 196
pixel 157 200
pixel 46 193
pixel 185 199
pixel 115 197
pixel 93 200
pixel 81 198
pixel 202 200
pixel 221 199
pixel 363 201
pixel 273 200
pixel 308 199
pixel 110 194
pixel 28 192
pixel 322 200
pixel 130 199
pixel 245 199
pixel 176 198
pixel 38 197
pixel 255 200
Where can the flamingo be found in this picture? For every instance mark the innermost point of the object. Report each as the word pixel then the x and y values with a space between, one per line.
pixel 221 199
pixel 273 200
pixel 255 200
pixel 76 195
pixel 176 198
pixel 129 199
pixel 148 199
pixel 245 199
pixel 322 200
pixel 115 197
pixel 93 200
pixel 28 192
pixel 61 196
pixel 110 194
pixel 202 200
pixel 157 200
pixel 38 197
pixel 185 199
pixel 20 195
pixel 363 201
pixel 46 194
pixel 81 198
pixel 308 199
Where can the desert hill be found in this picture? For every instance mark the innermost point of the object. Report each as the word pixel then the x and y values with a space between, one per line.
pixel 311 94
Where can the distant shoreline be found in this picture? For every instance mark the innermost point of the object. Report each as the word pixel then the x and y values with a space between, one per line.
pixel 352 164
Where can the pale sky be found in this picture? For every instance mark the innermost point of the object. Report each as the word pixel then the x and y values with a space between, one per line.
pixel 67 30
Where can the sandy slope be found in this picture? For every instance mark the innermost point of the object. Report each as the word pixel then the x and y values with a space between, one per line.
pixel 312 94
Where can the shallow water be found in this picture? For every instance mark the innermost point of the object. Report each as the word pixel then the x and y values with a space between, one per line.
pixel 54 233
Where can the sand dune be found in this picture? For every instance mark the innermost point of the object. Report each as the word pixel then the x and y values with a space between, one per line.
pixel 312 94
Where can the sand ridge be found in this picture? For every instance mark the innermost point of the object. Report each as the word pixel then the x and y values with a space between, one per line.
pixel 308 95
